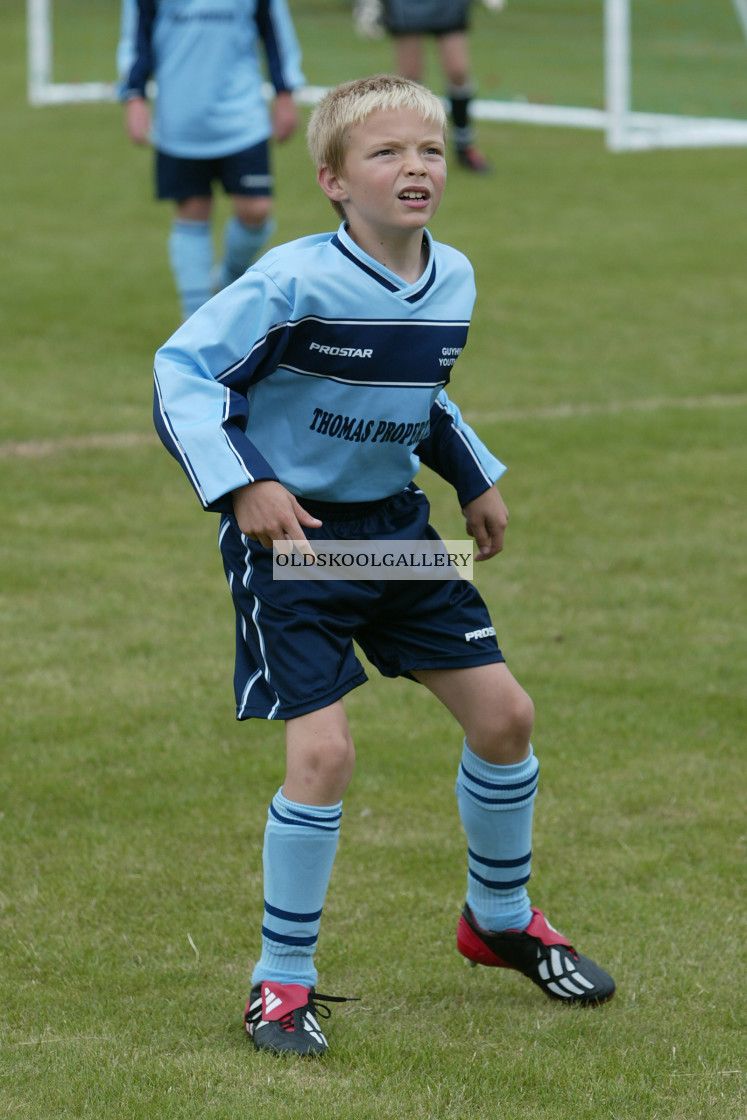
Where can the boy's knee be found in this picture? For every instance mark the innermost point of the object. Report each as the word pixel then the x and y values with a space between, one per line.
pixel 332 754
pixel 320 766
pixel 521 713
pixel 504 733
pixel 335 755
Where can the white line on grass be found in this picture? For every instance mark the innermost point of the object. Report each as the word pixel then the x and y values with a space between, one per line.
pixel 612 408
pixel 64 1040
pixel 41 448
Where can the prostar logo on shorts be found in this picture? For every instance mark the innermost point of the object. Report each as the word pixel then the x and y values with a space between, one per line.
pixel 486 632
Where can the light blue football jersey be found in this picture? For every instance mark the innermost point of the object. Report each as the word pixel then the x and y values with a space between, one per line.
pixel 321 368
pixel 208 59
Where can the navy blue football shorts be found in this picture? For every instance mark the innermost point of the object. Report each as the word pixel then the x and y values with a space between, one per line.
pixel 426 17
pixel 294 639
pixel 244 173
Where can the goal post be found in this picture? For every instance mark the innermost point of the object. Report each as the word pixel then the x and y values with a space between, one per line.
pixel 740 7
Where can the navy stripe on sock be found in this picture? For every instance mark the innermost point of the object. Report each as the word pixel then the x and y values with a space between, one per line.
pixel 498 885
pixel 502 800
pixel 291 916
pixel 499 785
pixel 286 939
pixel 305 821
pixel 500 862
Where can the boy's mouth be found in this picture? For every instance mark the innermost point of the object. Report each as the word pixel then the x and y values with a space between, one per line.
pixel 415 194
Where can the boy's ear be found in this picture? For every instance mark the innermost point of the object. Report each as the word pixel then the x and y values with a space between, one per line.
pixel 331 184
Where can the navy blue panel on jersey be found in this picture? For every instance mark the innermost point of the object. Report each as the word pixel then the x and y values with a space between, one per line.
pixel 294 640
pixel 367 352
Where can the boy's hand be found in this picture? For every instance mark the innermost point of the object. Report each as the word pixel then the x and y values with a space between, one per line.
pixel 486 518
pixel 137 120
pixel 267 512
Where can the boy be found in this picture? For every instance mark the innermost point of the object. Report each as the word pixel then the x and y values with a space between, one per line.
pixel 211 122
pixel 355 324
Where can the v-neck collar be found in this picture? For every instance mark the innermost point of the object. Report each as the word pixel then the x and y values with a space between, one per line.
pixel 411 293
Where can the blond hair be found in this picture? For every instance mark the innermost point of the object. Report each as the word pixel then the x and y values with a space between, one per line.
pixel 353 102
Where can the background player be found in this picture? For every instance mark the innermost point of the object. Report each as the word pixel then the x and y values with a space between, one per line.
pixel 211 122
pixel 300 402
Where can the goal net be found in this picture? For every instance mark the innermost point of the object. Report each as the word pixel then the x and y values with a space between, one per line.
pixel 646 73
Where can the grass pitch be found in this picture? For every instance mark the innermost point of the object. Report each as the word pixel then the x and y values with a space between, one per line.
pixel 606 367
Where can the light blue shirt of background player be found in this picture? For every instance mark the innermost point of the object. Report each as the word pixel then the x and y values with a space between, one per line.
pixel 208 61
pixel 282 377
pixel 212 124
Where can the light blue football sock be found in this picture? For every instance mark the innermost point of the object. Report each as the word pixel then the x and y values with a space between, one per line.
pixel 241 246
pixel 496 805
pixel 191 259
pixel 299 851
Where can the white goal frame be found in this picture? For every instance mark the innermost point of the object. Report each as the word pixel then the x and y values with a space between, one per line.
pixel 624 129
pixel 42 89
pixel 627 130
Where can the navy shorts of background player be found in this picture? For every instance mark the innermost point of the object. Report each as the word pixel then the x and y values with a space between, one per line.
pixel 424 17
pixel 244 173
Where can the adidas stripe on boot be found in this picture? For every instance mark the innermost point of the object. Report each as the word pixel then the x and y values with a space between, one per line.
pixel 540 953
pixel 282 1018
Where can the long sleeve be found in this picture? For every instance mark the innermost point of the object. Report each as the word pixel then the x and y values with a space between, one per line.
pixel 456 453
pixel 136 41
pixel 202 388
pixel 281 45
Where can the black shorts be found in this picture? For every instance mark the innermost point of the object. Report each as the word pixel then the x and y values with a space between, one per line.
pixel 243 173
pixel 294 640
pixel 426 17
